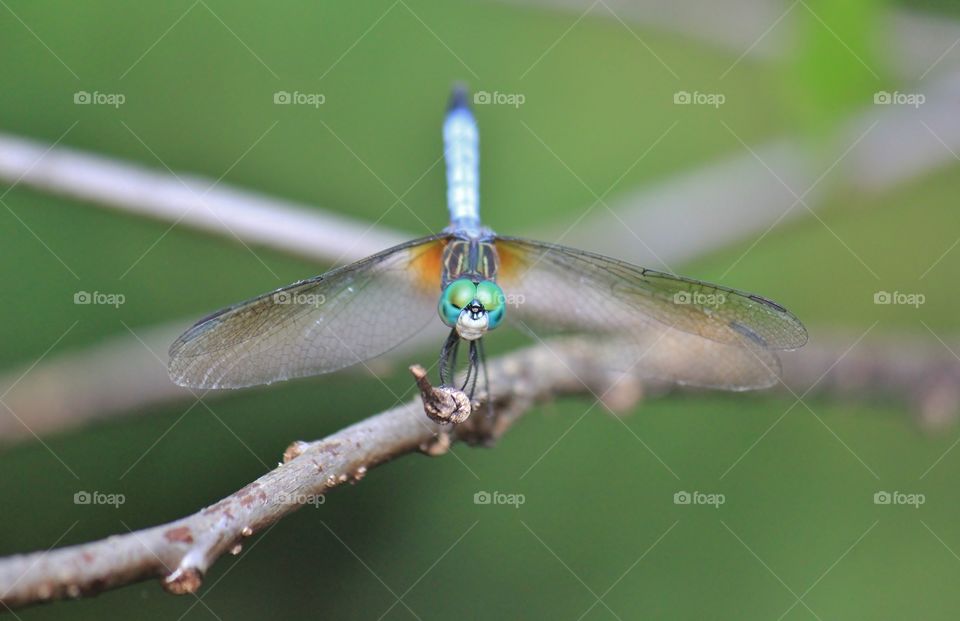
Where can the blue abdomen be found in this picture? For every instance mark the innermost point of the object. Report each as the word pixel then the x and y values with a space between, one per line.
pixel 461 148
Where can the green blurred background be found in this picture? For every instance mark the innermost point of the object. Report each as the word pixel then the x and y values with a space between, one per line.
pixel 599 516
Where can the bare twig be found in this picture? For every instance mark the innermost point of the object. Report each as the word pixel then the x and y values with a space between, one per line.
pixel 180 552
pixel 191 201
pixel 441 404
pixel 119 374
pixel 903 370
pixel 124 374
pixel 763 186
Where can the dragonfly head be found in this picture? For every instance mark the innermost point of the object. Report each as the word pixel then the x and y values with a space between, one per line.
pixel 472 307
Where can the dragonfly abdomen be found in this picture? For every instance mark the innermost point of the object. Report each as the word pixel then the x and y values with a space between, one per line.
pixel 461 148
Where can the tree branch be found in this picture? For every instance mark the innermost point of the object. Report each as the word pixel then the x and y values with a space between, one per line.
pixel 122 375
pixel 180 552
pixel 191 200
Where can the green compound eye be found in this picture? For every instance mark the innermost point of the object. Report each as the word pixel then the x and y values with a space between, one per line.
pixel 458 294
pixel 491 296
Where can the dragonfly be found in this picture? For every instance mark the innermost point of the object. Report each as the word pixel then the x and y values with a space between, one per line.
pixel 658 325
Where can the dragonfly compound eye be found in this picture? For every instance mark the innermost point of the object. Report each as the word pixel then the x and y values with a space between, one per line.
pixel 454 298
pixel 491 296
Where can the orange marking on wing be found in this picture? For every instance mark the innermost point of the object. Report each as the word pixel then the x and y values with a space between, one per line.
pixel 511 263
pixel 427 264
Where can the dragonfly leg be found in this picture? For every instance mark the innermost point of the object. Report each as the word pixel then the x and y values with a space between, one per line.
pixel 472 371
pixel 466 379
pixel 448 358
pixel 486 378
pixel 452 369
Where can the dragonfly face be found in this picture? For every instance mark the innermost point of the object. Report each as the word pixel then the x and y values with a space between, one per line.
pixel 657 325
pixel 471 301
pixel 472 308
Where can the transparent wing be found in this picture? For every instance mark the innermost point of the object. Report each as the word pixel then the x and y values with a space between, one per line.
pixel 663 326
pixel 317 325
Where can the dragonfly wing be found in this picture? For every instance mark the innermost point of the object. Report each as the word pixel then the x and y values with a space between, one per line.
pixel 678 357
pixel 673 328
pixel 315 326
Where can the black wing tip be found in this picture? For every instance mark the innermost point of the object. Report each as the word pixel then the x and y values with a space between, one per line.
pixel 802 335
pixel 459 97
pixel 767 302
